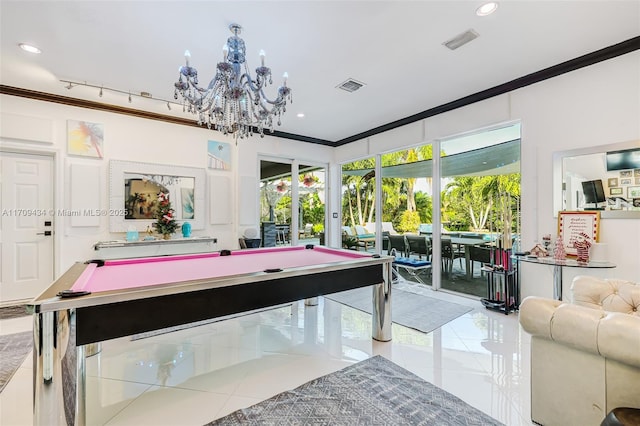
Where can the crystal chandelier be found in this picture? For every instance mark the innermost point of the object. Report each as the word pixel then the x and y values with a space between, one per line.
pixel 233 102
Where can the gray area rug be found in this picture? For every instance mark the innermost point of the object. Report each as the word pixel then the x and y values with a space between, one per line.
pixel 14 348
pixel 372 392
pixel 8 312
pixel 422 313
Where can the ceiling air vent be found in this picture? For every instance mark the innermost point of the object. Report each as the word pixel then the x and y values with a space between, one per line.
pixel 461 39
pixel 350 85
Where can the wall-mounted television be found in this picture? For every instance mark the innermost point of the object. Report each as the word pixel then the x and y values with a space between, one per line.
pixel 622 160
pixel 593 191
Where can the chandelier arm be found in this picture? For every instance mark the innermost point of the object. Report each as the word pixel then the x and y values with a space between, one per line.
pixel 280 100
pixel 204 102
pixel 254 86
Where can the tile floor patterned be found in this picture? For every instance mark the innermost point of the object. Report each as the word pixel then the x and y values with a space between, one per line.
pixel 193 376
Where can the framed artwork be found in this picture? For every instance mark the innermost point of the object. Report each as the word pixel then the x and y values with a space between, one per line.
pixel 633 192
pixel 625 181
pixel 134 189
pixel 636 173
pixel 85 139
pixel 218 155
pixel 615 191
pixel 572 224
pixel 612 182
pixel 638 181
pixel 625 173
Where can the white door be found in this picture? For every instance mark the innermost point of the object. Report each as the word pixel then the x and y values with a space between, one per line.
pixel 26 232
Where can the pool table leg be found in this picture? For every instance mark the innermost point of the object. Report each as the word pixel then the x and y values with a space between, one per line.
pixel 382 305
pixel 311 301
pixel 57 397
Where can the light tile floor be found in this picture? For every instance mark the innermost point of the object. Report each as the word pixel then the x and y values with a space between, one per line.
pixel 193 376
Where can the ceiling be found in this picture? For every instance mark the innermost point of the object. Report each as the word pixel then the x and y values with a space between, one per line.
pixel 394 47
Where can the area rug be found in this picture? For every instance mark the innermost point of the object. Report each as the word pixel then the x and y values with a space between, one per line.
pixel 372 392
pixel 14 348
pixel 8 312
pixel 422 313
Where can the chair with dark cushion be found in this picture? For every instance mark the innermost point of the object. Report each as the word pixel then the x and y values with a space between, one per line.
pixel 449 254
pixel 479 254
pixel 385 240
pixel 418 244
pixel 398 243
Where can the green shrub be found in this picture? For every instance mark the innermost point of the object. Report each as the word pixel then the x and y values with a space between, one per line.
pixel 410 222
pixel 318 228
pixel 349 242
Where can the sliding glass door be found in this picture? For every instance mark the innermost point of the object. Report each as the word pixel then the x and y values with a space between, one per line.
pixel 480 189
pixel 292 202
pixel 448 212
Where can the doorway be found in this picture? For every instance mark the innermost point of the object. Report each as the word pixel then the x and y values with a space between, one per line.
pixel 292 200
pixel 26 233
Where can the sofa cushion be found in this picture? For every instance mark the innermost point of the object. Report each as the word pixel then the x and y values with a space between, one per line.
pixel 576 326
pixel 609 295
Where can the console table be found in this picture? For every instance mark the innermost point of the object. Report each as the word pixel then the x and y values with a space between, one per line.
pixel 120 249
pixel 557 268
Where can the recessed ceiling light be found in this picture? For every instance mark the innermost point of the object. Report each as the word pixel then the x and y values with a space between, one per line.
pixel 300 115
pixel 29 48
pixel 487 9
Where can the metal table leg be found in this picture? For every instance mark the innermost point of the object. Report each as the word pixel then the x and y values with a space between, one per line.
pixel 381 316
pixel 557 282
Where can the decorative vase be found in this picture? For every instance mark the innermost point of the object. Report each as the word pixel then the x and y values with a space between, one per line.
pixel 166 236
pixel 186 230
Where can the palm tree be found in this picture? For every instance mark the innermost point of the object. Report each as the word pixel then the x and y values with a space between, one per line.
pixel 359 193
pixel 475 195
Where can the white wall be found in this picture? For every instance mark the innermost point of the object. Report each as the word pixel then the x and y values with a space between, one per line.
pixel 42 126
pixel 592 106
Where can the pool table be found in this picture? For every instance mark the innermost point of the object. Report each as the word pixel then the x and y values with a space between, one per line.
pixel 104 299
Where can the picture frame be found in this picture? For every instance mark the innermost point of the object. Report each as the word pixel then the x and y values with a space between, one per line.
pixel 625 181
pixel 615 191
pixel 218 155
pixel 573 223
pixel 612 182
pixel 625 173
pixel 633 192
pixel 638 181
pixel 133 189
pixel 85 139
pixel 636 173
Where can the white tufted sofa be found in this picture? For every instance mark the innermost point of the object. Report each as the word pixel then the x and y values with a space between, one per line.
pixel 585 355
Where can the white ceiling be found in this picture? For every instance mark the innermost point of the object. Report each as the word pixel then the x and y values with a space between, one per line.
pixel 395 47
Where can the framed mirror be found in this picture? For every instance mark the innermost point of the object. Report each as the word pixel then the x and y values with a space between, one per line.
pixel 134 188
pixel 600 178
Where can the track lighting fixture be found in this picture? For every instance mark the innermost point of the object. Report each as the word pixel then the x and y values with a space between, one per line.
pixel 130 95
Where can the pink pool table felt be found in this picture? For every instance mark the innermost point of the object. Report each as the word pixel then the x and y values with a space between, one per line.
pixel 133 273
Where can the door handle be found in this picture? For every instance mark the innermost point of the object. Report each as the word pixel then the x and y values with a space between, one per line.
pixel 45 233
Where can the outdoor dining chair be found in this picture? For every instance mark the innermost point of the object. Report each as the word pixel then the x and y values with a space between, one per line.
pixel 418 244
pixel 398 243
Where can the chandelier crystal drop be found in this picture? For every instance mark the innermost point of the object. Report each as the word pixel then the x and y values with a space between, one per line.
pixel 233 102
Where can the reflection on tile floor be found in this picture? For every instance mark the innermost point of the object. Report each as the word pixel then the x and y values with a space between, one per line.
pixel 193 376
